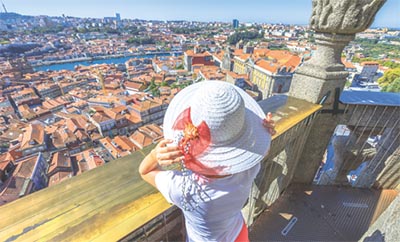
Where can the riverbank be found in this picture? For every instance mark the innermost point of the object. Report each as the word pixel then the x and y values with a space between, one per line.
pixel 110 59
pixel 95 58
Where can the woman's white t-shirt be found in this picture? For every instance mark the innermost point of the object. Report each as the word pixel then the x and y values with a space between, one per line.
pixel 220 200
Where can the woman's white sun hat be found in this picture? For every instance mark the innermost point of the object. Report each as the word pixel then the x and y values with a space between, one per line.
pixel 219 127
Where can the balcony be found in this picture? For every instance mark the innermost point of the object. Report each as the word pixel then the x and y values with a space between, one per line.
pixel 112 202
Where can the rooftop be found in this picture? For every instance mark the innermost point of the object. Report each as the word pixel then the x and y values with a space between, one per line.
pixel 370 98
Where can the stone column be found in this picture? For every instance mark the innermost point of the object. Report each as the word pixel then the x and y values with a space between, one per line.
pixel 335 23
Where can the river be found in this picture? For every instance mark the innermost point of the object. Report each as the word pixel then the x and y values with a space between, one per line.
pixel 71 65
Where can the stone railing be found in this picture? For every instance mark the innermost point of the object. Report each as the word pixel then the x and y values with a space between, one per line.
pixel 294 119
pixel 112 202
pixel 103 204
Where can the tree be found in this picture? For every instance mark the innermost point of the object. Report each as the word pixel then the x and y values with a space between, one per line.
pixel 387 63
pixel 245 36
pixel 112 31
pixel 189 30
pixel 155 92
pixel 390 81
pixel 141 41
pixel 392 87
pixel 152 83
pixel 174 85
pixel 179 67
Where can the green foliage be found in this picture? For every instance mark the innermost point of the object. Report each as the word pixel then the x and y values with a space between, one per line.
pixel 311 39
pixel 191 30
pixel 388 63
pixel 373 48
pixel 154 88
pixel 359 60
pixel 183 85
pixel 155 92
pixel 174 85
pixel 245 36
pixel 141 40
pixel 366 41
pixel 392 87
pixel 281 47
pixel 134 30
pixel 211 34
pixel 112 31
pixel 47 30
pixel 91 112
pixel 152 83
pixel 87 30
pixel 161 43
pixel 180 67
pixel 4 41
pixel 390 81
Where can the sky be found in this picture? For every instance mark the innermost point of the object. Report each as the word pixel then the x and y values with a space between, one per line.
pixel 261 11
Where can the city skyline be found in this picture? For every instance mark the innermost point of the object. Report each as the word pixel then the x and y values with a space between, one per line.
pixel 267 11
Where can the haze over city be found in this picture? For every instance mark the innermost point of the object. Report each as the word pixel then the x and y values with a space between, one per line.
pixel 266 11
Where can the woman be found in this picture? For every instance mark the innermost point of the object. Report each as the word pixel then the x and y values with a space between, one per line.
pixel 219 134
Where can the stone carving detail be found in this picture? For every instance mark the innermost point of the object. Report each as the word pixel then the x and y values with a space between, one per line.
pixel 343 16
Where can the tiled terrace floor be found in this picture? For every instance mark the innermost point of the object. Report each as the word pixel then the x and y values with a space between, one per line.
pixel 321 213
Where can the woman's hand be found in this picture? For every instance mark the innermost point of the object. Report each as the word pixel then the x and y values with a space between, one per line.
pixel 163 154
pixel 167 154
pixel 269 124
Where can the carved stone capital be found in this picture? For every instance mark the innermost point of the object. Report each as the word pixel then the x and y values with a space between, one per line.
pixel 343 16
pixel 335 23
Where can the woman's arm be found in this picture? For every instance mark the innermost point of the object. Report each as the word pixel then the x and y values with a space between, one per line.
pixel 161 155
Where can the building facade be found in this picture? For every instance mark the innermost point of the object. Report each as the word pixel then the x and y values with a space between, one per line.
pixel 235 23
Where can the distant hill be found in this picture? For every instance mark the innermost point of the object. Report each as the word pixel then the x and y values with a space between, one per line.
pixel 6 16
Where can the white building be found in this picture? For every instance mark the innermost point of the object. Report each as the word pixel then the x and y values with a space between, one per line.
pixel 368 71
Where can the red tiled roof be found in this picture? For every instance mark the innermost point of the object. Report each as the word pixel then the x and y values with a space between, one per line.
pixel 59 177
pixel 347 64
pixel 140 139
pixel 33 136
pixel 25 167
pixel 12 189
pixel 124 143
pixel 60 160
pixel 369 63
pixel 152 130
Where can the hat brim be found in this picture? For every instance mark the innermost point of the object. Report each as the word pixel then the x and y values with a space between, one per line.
pixel 241 154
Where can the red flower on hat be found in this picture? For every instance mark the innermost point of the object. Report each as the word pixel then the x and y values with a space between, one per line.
pixel 195 139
